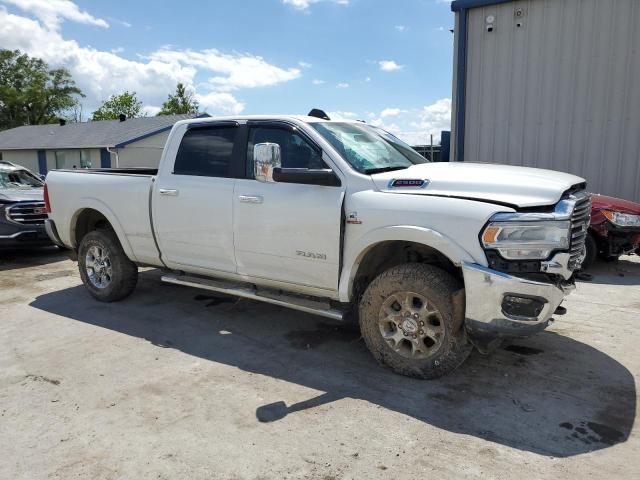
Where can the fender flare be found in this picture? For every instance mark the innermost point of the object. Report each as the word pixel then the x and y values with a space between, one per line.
pixel 102 208
pixel 408 233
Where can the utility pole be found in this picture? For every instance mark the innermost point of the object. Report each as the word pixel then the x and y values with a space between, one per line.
pixel 432 147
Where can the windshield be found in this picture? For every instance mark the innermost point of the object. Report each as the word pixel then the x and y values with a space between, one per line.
pixel 368 149
pixel 19 179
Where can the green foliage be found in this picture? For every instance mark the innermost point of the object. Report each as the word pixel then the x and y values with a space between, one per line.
pixel 126 103
pixel 181 102
pixel 31 93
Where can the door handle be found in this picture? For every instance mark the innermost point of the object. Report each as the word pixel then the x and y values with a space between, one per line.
pixel 169 192
pixel 251 198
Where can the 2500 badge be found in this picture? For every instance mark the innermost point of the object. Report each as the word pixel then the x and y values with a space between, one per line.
pixel 315 256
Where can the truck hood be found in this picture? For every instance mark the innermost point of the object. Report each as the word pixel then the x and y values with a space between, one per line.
pixel 503 184
pixel 21 195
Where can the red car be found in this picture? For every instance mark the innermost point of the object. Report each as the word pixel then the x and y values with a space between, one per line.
pixel 614 230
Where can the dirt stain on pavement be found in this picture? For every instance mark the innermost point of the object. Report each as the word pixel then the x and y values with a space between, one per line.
pixel 42 378
pixel 215 299
pixel 522 350
pixel 589 432
pixel 325 333
pixel 53 275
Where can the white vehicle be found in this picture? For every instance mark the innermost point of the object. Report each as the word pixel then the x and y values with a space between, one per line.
pixel 339 219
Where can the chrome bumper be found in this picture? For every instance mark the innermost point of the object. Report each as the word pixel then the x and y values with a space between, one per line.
pixel 485 293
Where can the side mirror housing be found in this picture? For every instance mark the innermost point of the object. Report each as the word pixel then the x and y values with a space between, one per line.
pixel 266 157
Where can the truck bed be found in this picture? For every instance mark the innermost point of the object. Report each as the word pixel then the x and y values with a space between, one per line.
pixel 122 195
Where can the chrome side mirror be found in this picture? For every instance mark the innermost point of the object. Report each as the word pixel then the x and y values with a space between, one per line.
pixel 266 157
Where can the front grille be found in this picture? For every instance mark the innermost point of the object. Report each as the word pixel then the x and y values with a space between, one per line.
pixel 32 213
pixel 580 219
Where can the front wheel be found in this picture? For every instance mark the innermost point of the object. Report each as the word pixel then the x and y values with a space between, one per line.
pixel 408 321
pixel 105 269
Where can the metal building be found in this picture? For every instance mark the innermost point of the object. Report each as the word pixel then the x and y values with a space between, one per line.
pixel 550 84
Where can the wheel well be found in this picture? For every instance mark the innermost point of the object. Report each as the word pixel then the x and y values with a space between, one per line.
pixel 385 255
pixel 87 221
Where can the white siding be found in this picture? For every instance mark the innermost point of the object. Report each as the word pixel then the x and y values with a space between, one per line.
pixel 561 91
pixel 144 153
pixel 24 158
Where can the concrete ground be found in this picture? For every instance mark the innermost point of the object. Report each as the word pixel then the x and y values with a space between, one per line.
pixel 176 383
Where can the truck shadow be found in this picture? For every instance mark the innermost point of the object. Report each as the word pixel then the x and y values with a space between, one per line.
pixel 29 257
pixel 549 394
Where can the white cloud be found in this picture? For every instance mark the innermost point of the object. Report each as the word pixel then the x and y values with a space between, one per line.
pixel 416 126
pixel 304 64
pixel 219 102
pixel 316 81
pixel 389 65
pixel 237 70
pixel 150 110
pixel 437 116
pixel 390 112
pixel 122 23
pixel 117 50
pixel 52 12
pixel 103 73
pixel 342 115
pixel 304 5
pixel 342 85
pixel 401 28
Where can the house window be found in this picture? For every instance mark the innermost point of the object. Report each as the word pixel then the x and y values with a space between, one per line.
pixel 85 159
pixel 60 159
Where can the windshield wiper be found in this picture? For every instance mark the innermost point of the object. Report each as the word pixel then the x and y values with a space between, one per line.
pixel 371 171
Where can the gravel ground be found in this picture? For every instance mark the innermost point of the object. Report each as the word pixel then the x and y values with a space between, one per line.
pixel 177 383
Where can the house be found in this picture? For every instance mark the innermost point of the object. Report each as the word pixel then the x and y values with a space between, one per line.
pixel 135 142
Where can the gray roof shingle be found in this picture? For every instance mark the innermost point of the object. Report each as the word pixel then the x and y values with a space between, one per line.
pixel 105 133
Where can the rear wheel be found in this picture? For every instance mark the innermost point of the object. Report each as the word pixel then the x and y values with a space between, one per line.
pixel 105 269
pixel 408 321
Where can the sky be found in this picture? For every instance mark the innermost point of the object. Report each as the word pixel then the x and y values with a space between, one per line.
pixel 386 62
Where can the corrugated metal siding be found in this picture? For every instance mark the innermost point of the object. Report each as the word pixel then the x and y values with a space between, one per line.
pixel 562 91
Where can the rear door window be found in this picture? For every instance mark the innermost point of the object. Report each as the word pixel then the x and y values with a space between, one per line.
pixel 206 152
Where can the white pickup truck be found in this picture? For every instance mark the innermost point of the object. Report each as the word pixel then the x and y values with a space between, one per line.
pixel 339 219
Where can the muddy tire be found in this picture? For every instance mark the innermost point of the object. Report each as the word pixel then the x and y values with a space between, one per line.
pixel 105 269
pixel 591 252
pixel 409 321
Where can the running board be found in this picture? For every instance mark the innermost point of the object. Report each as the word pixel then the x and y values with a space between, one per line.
pixel 316 307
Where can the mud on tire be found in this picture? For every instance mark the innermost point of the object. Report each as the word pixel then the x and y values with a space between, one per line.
pixel 400 329
pixel 101 250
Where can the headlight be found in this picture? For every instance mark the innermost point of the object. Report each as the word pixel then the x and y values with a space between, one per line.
pixel 622 219
pixel 526 240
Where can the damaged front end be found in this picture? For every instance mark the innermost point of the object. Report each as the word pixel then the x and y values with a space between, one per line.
pixel 532 258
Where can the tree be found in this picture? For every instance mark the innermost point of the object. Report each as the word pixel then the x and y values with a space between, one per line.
pixel 32 93
pixel 181 102
pixel 126 103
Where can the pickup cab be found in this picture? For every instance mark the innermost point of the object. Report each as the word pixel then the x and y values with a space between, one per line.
pixel 340 219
